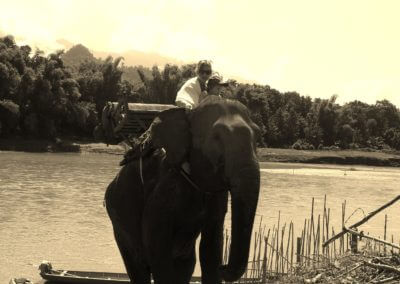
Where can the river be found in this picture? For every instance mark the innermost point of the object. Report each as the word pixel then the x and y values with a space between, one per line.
pixel 51 206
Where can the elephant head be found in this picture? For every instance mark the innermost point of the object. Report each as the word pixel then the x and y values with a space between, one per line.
pixel 219 140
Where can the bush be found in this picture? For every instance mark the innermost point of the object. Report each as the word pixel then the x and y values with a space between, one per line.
pixel 354 146
pixel 301 144
pixel 376 143
pixel 392 138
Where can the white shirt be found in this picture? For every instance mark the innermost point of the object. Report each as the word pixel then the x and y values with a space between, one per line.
pixel 189 95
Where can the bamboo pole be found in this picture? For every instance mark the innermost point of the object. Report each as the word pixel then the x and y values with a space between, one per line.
pixel 319 237
pixel 259 263
pixel 265 260
pixel 312 232
pixel 384 234
pixel 327 229
pixel 287 247
pixel 271 257
pixel 254 254
pixel 277 243
pixel 291 258
pixel 323 224
pixel 282 264
pixel 334 244
pixel 362 221
pixel 308 236
pixel 303 237
pixel 298 249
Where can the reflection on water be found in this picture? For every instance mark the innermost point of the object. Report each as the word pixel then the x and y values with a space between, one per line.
pixel 51 206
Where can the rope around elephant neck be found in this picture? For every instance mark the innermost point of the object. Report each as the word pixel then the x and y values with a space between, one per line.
pixel 183 173
pixel 187 177
pixel 194 185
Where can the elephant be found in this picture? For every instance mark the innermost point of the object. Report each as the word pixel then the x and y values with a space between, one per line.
pixel 158 211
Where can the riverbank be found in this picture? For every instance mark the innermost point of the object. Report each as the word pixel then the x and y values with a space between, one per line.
pixel 342 157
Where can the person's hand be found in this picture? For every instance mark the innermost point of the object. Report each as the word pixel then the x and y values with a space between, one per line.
pixel 183 105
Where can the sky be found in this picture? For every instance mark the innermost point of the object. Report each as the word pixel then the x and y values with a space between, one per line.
pixel 315 47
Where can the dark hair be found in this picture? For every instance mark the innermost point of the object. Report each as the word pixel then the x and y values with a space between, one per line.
pixel 211 84
pixel 203 63
pixel 214 80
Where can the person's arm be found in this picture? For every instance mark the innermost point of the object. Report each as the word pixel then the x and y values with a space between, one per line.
pixel 188 96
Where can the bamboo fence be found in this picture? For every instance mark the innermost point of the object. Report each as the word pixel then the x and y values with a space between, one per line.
pixel 276 252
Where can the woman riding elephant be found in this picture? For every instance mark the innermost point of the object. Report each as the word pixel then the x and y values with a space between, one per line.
pixel 158 211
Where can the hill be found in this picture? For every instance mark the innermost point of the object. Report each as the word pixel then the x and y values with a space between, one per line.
pixel 76 55
pixel 133 60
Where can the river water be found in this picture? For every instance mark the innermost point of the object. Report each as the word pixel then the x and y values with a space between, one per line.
pixel 51 206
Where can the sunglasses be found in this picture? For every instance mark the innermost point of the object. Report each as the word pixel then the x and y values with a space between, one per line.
pixel 207 72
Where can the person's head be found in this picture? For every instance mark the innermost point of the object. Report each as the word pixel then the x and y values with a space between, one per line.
pixel 203 70
pixel 214 84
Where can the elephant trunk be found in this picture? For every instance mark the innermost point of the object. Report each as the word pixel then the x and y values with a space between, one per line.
pixel 245 187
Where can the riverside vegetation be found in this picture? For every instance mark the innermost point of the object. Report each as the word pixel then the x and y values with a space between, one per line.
pixel 61 95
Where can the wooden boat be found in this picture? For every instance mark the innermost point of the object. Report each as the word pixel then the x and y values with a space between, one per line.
pixel 85 277
pixel 82 277
pixel 91 277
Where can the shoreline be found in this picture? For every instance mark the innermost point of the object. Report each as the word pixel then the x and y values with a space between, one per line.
pixel 339 157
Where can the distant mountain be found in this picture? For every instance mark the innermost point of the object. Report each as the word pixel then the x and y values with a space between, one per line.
pixel 133 60
pixel 80 53
pixel 76 55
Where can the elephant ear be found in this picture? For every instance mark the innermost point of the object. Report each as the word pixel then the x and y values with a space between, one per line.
pixel 170 130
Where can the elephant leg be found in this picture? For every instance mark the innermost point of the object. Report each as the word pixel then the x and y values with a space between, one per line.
pixel 138 271
pixel 184 268
pixel 211 242
pixel 211 246
pixel 157 238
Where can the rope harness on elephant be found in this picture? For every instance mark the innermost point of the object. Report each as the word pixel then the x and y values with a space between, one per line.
pixel 144 148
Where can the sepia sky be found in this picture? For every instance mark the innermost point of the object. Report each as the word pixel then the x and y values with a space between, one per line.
pixel 317 48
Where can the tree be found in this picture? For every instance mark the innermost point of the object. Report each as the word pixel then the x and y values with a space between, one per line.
pixel 346 135
pixel 355 114
pixel 372 127
pixel 386 115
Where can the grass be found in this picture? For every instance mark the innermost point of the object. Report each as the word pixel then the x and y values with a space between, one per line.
pixel 347 157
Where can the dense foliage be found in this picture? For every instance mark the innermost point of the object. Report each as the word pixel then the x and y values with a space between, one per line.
pixel 62 94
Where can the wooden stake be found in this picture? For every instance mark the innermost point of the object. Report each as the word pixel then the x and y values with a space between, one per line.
pixel 384 234
pixel 291 258
pixel 298 254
